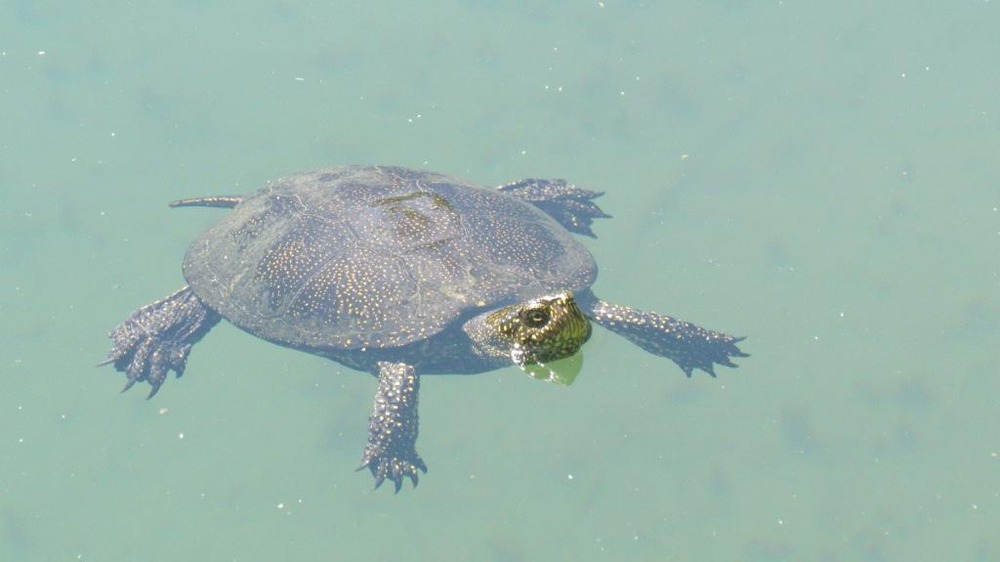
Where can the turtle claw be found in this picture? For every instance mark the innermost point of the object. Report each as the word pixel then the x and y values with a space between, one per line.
pixel 158 337
pixel 394 469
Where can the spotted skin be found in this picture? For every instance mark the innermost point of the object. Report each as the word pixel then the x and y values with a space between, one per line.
pixel 392 427
pixel 690 347
pixel 157 338
pixel 567 204
pixel 400 273
pixel 534 332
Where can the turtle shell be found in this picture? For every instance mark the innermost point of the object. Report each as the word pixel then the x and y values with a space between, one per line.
pixel 377 257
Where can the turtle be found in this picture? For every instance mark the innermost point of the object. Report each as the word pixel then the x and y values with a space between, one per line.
pixel 400 273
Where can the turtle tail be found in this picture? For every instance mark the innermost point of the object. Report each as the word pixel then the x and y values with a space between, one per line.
pixel 225 201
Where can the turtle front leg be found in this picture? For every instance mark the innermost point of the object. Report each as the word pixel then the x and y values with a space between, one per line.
pixel 392 428
pixel 158 337
pixel 689 346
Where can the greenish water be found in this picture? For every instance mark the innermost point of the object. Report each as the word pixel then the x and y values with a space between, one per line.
pixel 821 177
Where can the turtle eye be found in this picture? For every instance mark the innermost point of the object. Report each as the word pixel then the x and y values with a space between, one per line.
pixel 535 317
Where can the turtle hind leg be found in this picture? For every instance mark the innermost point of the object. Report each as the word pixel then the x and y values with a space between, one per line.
pixel 569 205
pixel 392 428
pixel 690 346
pixel 158 337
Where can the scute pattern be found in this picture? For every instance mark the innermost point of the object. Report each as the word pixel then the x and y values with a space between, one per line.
pixel 420 219
pixel 377 257
pixel 286 265
pixel 524 245
pixel 338 300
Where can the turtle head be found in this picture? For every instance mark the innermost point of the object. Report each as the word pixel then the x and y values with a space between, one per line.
pixel 532 332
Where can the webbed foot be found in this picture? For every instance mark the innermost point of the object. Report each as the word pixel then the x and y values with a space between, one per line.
pixel 392 428
pixel 689 346
pixel 158 337
pixel 569 205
